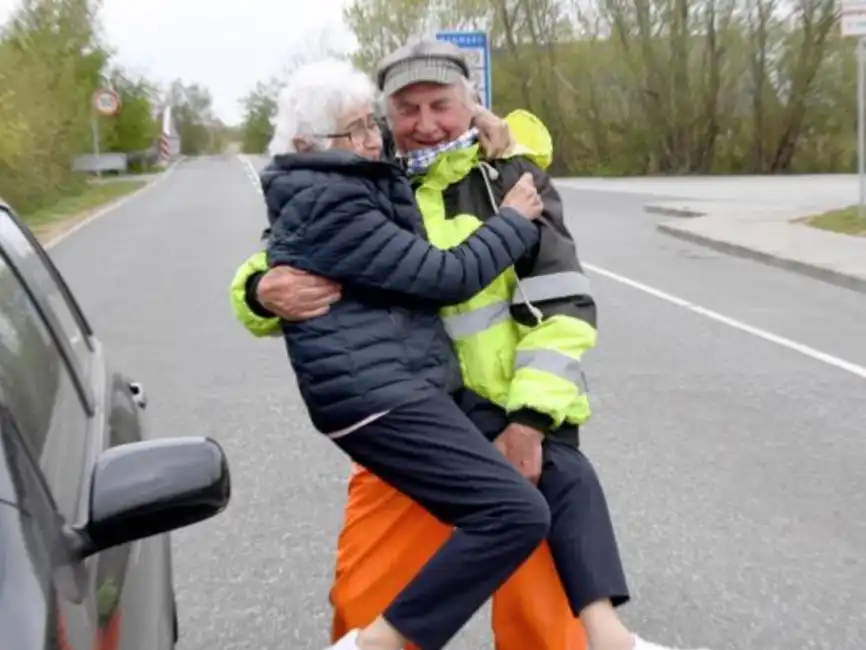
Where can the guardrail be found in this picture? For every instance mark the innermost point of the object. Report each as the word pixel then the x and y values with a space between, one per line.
pixel 115 162
pixel 104 162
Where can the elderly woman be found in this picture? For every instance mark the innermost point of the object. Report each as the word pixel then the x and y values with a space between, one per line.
pixel 377 373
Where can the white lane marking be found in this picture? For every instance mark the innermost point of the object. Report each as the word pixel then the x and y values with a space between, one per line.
pixel 111 207
pixel 794 346
pixel 251 172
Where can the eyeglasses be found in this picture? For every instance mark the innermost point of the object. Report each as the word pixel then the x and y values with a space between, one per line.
pixel 357 132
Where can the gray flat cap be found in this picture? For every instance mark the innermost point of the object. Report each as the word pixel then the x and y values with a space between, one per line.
pixel 429 61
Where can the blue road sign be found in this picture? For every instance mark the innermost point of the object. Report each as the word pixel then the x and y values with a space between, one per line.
pixel 477 50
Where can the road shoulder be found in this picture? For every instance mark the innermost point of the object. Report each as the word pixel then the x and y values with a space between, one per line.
pixel 52 222
pixel 67 226
pixel 769 235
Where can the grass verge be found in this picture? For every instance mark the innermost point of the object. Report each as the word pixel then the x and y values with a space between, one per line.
pixel 52 221
pixel 846 221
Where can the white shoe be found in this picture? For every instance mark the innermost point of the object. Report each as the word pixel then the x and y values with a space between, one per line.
pixel 640 644
pixel 348 642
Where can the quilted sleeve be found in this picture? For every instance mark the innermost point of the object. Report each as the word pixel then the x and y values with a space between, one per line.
pixel 348 239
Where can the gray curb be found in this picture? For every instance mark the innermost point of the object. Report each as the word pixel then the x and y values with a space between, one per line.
pixel 818 272
pixel 652 208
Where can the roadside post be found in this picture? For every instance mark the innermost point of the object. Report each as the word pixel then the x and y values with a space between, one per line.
pixel 105 102
pixel 477 50
pixel 853 22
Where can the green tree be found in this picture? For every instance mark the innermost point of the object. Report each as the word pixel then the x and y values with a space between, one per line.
pixel 50 63
pixel 633 87
pixel 260 106
pixel 222 137
pixel 381 26
pixel 192 109
pixel 133 128
pixel 52 59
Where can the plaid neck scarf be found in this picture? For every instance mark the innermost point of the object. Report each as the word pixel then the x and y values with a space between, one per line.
pixel 418 162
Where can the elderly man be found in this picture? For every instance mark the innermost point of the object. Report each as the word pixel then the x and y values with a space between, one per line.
pixel 520 341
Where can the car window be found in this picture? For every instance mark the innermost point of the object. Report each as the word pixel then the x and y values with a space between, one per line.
pixel 40 525
pixel 40 391
pixel 42 277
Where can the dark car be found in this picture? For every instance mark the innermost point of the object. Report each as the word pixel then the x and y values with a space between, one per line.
pixel 86 497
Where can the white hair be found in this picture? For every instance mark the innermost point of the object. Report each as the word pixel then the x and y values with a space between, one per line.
pixel 315 98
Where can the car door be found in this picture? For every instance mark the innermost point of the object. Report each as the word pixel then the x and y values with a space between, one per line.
pixel 71 409
pixel 35 394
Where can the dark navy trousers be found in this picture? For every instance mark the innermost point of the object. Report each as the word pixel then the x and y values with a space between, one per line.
pixel 437 451
pixel 581 537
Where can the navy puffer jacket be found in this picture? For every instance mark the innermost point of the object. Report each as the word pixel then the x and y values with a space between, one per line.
pixel 383 344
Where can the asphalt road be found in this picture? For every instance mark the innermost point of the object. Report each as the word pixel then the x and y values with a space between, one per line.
pixel 734 465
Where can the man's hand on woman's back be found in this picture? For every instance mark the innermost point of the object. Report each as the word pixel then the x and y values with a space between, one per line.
pixel 295 295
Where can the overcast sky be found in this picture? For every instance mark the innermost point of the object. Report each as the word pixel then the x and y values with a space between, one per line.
pixel 227 45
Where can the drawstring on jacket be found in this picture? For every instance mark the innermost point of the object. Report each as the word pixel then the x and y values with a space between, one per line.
pixel 489 172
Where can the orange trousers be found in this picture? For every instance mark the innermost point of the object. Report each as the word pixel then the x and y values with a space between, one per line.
pixel 387 538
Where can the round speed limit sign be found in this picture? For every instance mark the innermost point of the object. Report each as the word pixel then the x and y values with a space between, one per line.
pixel 106 101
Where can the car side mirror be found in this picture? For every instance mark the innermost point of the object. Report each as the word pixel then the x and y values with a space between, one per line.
pixel 147 488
